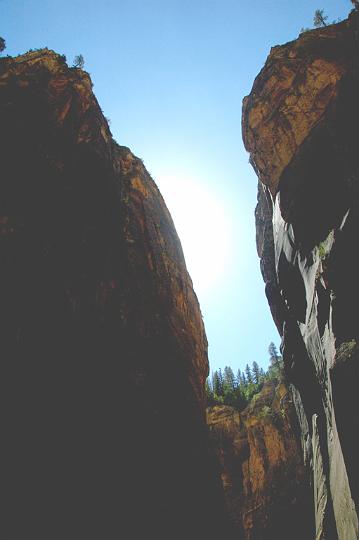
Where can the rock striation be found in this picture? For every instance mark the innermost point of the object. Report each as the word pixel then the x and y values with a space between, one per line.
pixel 103 349
pixel 265 481
pixel 300 126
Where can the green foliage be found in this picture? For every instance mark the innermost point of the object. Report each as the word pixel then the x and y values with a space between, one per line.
pixel 209 394
pixel 217 383
pixel 276 369
pixel 240 390
pixel 322 251
pixel 276 418
pixel 2 44
pixel 248 372
pixel 250 390
pixel 256 372
pixel 275 372
pixel 265 411
pixel 273 355
pixel 229 382
pixel 319 18
pixel 79 62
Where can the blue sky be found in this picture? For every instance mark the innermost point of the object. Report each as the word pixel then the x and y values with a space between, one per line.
pixel 171 76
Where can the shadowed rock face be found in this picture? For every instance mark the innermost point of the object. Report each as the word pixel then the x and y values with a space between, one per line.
pixel 265 482
pixel 300 126
pixel 103 349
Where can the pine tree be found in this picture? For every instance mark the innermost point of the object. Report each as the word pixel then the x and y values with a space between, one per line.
pixel 239 378
pixel 221 381
pixel 228 379
pixel 273 354
pixel 248 374
pixel 256 372
pixel 79 61
pixel 217 383
pixel 319 18
pixel 2 44
pixel 243 380
pixel 209 393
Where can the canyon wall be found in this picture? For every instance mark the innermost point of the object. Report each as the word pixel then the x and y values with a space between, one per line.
pixel 300 126
pixel 265 481
pixel 103 349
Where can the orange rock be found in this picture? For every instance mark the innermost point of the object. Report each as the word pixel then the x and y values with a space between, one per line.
pixel 265 482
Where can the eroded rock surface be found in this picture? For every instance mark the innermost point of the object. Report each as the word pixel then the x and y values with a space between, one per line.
pixel 103 349
pixel 266 484
pixel 300 126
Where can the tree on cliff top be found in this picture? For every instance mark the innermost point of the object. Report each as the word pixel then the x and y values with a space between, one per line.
pixel 319 18
pixel 355 4
pixel 79 62
pixel 2 44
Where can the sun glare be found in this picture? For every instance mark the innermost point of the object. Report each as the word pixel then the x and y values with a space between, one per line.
pixel 202 225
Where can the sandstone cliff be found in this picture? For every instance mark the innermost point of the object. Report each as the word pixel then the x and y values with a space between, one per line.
pixel 266 484
pixel 300 126
pixel 103 349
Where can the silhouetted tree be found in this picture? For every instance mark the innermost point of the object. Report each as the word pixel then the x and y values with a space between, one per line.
pixel 319 18
pixel 79 61
pixel 355 4
pixel 2 44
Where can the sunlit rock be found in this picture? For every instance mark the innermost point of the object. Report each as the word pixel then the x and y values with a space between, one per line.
pixel 265 482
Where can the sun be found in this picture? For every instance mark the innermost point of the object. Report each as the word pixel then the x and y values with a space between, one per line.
pixel 202 225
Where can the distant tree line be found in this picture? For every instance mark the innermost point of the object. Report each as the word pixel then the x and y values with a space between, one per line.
pixel 227 388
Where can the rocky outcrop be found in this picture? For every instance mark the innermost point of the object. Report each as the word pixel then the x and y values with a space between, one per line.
pixel 265 482
pixel 300 127
pixel 103 349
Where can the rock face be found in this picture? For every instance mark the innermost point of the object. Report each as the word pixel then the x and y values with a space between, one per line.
pixel 266 484
pixel 300 126
pixel 103 349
